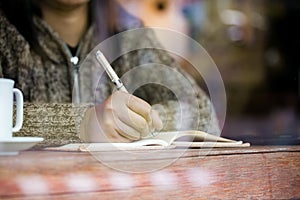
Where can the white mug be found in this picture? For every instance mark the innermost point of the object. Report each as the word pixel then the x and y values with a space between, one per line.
pixel 7 92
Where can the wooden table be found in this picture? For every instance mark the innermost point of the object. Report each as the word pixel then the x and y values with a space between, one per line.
pixel 266 172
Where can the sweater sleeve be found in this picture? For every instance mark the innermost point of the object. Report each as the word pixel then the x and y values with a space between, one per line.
pixel 57 123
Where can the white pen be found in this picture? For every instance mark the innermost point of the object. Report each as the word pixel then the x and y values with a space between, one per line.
pixel 110 72
pixel 114 77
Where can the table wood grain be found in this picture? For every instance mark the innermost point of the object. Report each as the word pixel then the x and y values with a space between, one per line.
pixel 262 172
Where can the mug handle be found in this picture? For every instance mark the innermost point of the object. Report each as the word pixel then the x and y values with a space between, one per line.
pixel 19 104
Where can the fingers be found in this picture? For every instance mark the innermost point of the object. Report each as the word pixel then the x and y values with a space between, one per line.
pixel 126 131
pixel 156 121
pixel 115 125
pixel 141 116
pixel 124 117
pixel 135 121
pixel 115 136
pixel 140 107
pixel 134 127
pixel 121 111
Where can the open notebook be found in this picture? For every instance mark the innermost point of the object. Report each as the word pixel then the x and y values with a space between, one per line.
pixel 186 139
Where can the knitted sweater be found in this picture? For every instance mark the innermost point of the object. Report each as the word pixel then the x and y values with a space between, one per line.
pixel 47 83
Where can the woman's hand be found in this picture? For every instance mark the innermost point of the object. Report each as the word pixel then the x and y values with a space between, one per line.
pixel 120 118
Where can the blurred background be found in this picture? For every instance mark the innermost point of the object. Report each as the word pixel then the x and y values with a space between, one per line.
pixel 255 45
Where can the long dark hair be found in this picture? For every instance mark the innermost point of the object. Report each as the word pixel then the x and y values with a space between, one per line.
pixel 20 13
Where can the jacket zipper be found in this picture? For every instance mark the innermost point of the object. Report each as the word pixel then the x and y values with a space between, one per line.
pixel 75 62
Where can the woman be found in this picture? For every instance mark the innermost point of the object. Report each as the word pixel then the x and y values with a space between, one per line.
pixel 42 47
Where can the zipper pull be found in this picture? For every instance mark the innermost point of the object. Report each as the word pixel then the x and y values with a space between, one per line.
pixel 74 60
